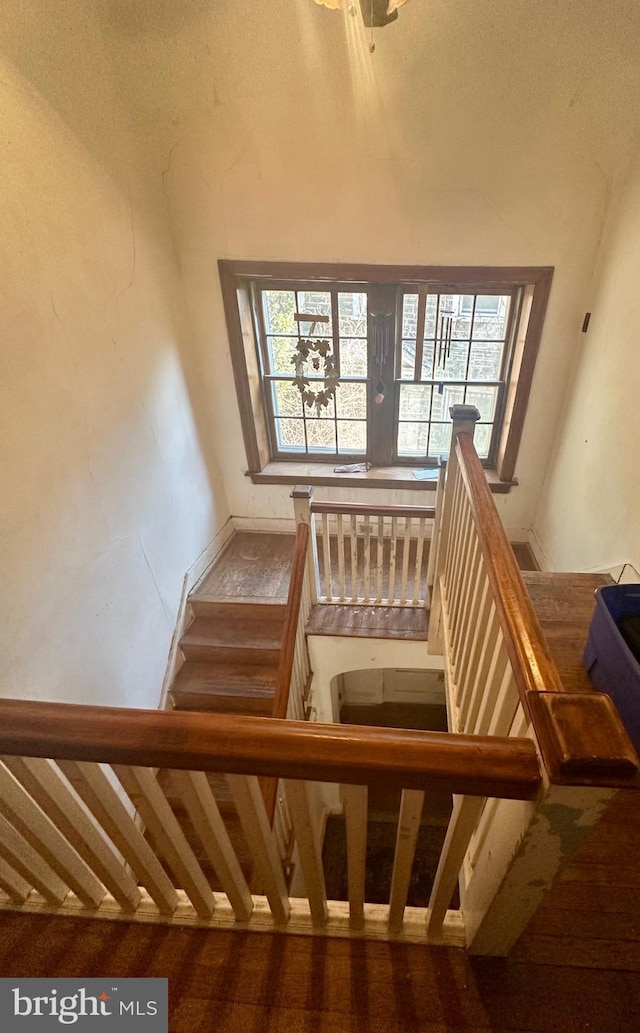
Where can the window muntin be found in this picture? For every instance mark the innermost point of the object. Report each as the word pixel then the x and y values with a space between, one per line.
pixel 339 429
pixel 454 348
pixel 449 345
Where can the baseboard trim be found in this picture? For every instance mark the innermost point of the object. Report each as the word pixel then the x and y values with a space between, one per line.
pixel 194 574
pixel 539 554
pixel 265 525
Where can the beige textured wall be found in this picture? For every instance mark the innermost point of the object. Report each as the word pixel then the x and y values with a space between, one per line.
pixel 477 133
pixel 589 516
pixel 106 492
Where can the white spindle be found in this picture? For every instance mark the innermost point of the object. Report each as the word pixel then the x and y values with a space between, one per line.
pixel 435 531
pixel 340 543
pixel 195 794
pixel 455 515
pixel 407 837
pixel 379 570
pixel 101 792
pixel 460 618
pixel 35 827
pixel 29 865
pixel 326 555
pixel 13 884
pixel 393 555
pixel 478 677
pixel 499 670
pixel 309 849
pixel 155 810
pixel 249 804
pixel 422 525
pixel 478 617
pixel 46 784
pixel 367 560
pixel 466 811
pixel 353 550
pixel 355 811
pixel 406 547
pixel 506 705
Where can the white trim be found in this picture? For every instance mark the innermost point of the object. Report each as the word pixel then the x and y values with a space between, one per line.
pixel 194 574
pixel 376 918
pixel 201 565
pixel 265 525
pixel 539 554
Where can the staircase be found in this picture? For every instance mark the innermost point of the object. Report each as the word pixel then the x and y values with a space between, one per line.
pixel 231 653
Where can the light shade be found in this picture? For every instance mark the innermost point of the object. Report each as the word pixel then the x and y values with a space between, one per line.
pixel 337 4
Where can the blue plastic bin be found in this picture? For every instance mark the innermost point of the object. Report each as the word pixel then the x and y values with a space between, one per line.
pixel 610 663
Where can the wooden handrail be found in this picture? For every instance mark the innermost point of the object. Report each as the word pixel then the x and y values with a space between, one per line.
pixel 362 509
pixel 287 651
pixel 575 753
pixel 352 754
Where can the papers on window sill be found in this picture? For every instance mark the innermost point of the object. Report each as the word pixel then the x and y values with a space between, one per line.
pixel 353 468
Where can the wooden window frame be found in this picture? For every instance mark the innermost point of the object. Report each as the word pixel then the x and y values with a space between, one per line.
pixel 533 285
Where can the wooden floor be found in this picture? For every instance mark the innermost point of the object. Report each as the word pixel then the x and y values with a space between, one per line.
pixel 256 567
pixel 566 976
pixel 575 970
pixel 252 568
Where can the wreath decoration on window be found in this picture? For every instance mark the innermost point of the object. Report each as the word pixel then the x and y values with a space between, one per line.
pixel 319 351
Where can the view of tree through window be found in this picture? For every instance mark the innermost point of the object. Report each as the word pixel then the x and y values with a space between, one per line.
pixel 445 346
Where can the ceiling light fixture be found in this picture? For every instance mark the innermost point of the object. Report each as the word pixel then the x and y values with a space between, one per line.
pixel 375 13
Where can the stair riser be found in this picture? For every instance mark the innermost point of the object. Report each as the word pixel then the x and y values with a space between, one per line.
pixel 221 704
pixel 245 655
pixel 240 611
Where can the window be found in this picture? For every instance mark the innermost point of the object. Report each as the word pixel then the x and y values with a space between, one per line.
pixel 339 365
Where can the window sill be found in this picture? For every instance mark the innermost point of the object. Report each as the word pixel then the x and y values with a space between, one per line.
pixel 390 477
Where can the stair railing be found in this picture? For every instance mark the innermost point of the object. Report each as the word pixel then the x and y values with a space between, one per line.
pixel 366 555
pixel 74 778
pixel 501 680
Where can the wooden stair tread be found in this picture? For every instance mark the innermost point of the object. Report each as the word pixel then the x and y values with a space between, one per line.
pixel 252 633
pixel 203 677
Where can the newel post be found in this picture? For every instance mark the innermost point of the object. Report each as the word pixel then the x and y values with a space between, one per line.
pixel 302 496
pixel 464 419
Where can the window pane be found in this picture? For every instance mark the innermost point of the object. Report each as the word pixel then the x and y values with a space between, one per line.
pixel 408 360
pixel 353 358
pixel 482 439
pixel 352 436
pixel 412 439
pixel 442 400
pixel 452 366
pixel 409 315
pixel 486 359
pixel 415 401
pixel 352 315
pixel 327 412
pixel 281 350
pixel 290 435
pixel 351 400
pixel 492 312
pixel 279 309
pixel 484 398
pixel 427 360
pixel 430 315
pixel 321 435
pixel 440 439
pixel 454 308
pixel 316 303
pixel 287 400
